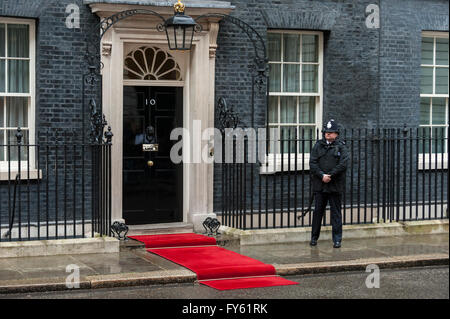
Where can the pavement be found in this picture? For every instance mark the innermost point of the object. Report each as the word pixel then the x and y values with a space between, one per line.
pixel 134 266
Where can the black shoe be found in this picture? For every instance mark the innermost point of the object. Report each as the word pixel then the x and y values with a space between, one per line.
pixel 337 244
pixel 313 242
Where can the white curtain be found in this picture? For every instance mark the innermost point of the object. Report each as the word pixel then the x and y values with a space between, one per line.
pixel 441 51
pixel 427 51
pixel 2 75
pixel 2 132
pixel 17 112
pixel 310 78
pixel 291 81
pixel 438 112
pixel 274 47
pixel 310 48
pixel 426 81
pixel 273 109
pixel 18 76
pixel 288 109
pixel 2 54
pixel 18 41
pixel 18 70
pixel 291 48
pixel 275 77
pixel 307 106
pixel 441 81
pixel 2 39
pixel 15 68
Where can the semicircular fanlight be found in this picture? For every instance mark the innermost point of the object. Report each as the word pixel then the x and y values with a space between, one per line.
pixel 151 63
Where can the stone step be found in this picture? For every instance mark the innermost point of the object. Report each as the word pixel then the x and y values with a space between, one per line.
pixel 157 229
pixel 153 229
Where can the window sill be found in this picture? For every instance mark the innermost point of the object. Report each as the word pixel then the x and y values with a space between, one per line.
pixel 32 174
pixel 275 165
pixel 439 161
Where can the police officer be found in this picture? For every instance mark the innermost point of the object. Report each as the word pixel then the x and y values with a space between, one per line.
pixel 328 164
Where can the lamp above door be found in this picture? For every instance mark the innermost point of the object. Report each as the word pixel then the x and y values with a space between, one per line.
pixel 180 29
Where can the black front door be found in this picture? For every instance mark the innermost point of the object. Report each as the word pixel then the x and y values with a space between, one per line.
pixel 152 183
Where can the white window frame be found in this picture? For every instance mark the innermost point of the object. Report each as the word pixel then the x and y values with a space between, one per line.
pixel 273 161
pixel 439 160
pixel 10 170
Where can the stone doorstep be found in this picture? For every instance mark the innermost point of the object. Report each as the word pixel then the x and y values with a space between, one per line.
pixel 164 228
pixel 186 276
pixel 59 247
pixel 303 234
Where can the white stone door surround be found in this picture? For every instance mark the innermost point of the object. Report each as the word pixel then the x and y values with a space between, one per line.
pixel 198 72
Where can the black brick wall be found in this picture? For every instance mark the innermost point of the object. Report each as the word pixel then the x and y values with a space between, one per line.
pixel 60 65
pixel 59 58
pixel 401 27
pixel 371 76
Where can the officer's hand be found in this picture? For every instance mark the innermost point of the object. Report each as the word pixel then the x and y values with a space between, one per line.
pixel 326 178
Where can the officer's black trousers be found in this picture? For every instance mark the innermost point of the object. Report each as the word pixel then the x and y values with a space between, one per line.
pixel 321 200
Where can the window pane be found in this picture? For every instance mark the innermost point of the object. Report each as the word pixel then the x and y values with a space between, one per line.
pixel 441 81
pixel 441 51
pixel 310 49
pixel 424 135
pixel 291 78
pixel 307 109
pixel 307 138
pixel 438 144
pixel 275 77
pixel 12 139
pixel 17 112
pixel 310 78
pixel 2 148
pixel 438 110
pixel 273 109
pixel 426 83
pixel 18 41
pixel 288 109
pixel 425 105
pixel 2 110
pixel 291 47
pixel 427 50
pixel 274 44
pixel 18 76
pixel 288 133
pixel 2 75
pixel 2 39
pixel 274 136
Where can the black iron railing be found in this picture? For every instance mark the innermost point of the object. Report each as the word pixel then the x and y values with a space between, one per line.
pixel 58 187
pixel 393 175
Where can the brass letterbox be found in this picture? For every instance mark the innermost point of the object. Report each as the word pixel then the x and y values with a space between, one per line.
pixel 150 147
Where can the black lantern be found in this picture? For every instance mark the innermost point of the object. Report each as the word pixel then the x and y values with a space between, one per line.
pixel 179 29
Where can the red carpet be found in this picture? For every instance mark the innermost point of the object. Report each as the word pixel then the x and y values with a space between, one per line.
pixel 174 240
pixel 215 267
pixel 241 283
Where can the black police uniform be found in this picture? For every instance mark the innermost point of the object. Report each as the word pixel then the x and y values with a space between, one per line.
pixel 332 159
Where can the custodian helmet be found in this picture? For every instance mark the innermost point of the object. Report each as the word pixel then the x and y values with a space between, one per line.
pixel 331 127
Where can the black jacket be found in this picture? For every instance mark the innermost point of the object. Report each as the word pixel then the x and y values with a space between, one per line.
pixel 329 159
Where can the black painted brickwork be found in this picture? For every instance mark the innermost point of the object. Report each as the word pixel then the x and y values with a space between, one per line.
pixel 371 76
pixel 60 65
